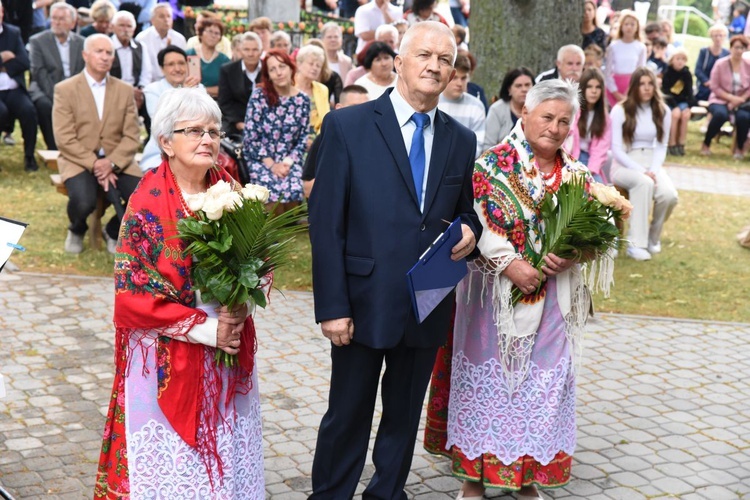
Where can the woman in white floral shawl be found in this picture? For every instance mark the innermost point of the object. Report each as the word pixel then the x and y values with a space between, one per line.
pixel 511 402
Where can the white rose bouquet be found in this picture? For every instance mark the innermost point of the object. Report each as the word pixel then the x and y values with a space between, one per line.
pixel 236 244
pixel 579 220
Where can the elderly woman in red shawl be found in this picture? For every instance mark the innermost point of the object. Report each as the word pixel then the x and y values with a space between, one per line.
pixel 178 425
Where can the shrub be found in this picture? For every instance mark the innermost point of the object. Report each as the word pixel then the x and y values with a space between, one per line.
pixel 696 25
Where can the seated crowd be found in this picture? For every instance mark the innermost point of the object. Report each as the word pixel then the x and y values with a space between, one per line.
pixel 635 84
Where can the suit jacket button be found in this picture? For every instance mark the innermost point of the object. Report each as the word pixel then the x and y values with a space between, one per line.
pixel 422 227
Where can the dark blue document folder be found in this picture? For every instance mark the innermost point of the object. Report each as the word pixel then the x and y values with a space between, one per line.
pixel 435 275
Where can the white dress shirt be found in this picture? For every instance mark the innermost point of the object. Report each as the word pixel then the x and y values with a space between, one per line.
pixel 369 16
pixel 64 50
pixel 252 75
pixel 151 40
pixel 125 55
pixel 403 112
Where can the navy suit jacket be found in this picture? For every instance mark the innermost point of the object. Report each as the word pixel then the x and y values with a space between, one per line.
pixel 366 228
pixel 10 39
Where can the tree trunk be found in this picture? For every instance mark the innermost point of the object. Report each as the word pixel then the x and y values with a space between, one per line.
pixel 506 34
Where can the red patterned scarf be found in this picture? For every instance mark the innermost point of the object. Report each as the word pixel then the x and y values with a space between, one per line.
pixel 153 293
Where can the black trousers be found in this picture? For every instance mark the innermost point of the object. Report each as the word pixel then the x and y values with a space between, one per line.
pixel 43 107
pixel 17 104
pixel 345 429
pixel 82 191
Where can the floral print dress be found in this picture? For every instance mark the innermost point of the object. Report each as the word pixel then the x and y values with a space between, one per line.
pixel 277 132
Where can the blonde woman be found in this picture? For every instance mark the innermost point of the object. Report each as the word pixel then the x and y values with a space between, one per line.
pixel 624 55
pixel 328 77
pixel 310 59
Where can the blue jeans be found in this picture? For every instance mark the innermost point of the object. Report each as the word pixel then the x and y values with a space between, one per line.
pixel 458 17
pixel 720 115
pixel 583 157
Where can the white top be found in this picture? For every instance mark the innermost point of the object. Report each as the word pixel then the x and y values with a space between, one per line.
pixel 622 59
pixel 154 43
pixel 6 82
pixel 469 112
pixel 403 116
pixel 643 137
pixel 373 89
pixel 125 55
pixel 585 142
pixel 368 17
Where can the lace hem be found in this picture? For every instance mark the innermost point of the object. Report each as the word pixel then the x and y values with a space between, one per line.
pixel 535 419
pixel 163 465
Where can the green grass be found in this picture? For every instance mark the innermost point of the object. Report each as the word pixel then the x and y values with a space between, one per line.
pixel 701 273
pixel 721 152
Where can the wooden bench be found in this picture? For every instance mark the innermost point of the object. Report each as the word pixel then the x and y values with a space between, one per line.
pixel 94 220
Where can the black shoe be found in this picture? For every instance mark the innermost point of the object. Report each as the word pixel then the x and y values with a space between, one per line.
pixel 30 164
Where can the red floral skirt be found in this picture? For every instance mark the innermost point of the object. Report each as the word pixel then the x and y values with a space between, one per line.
pixel 487 469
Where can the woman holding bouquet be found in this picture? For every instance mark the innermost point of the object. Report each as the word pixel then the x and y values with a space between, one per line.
pixel 640 133
pixel 511 417
pixel 276 126
pixel 179 425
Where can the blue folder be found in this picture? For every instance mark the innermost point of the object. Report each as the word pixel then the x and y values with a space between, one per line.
pixel 435 275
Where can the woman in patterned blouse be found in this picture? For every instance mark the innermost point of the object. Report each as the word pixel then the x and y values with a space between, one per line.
pixel 276 126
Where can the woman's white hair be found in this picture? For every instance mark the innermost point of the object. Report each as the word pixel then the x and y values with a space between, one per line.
pixel 310 50
pixel 179 105
pixel 331 25
pixel 554 89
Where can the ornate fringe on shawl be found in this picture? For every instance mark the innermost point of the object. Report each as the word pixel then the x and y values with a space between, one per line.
pixel 153 294
pixel 508 189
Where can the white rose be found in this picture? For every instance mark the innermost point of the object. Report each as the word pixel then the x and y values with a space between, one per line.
pixel 196 201
pixel 213 208
pixel 218 189
pixel 231 200
pixel 607 195
pixel 255 192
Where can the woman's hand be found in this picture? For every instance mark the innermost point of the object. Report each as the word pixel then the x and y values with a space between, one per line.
pixel 523 275
pixel 554 265
pixel 229 331
pixel 280 170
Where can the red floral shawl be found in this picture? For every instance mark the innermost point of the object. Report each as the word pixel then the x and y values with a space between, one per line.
pixel 153 293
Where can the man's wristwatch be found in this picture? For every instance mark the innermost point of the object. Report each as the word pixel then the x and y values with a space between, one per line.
pixel 115 168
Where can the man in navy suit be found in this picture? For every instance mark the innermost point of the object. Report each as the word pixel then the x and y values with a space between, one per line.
pixel 384 189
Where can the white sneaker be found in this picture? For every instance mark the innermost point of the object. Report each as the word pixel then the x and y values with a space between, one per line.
pixel 111 244
pixel 655 248
pixel 73 243
pixel 636 253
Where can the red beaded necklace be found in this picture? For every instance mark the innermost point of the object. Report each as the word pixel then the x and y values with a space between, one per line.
pixel 555 174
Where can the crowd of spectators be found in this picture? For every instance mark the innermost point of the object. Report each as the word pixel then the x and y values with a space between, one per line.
pixel 274 90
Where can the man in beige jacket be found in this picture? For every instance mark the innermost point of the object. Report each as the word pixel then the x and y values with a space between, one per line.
pixel 96 131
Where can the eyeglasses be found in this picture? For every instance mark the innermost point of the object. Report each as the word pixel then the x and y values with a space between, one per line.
pixel 196 133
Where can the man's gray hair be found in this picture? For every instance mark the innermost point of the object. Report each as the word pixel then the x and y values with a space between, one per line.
pixel 427 26
pixel 162 5
pixel 124 14
pixel 72 12
pixel 554 89
pixel 249 36
pixel 565 49
pixel 329 26
pixel 180 105
pixel 97 36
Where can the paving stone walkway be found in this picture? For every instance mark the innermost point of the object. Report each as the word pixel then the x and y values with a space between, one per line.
pixel 664 405
pixel 709 180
